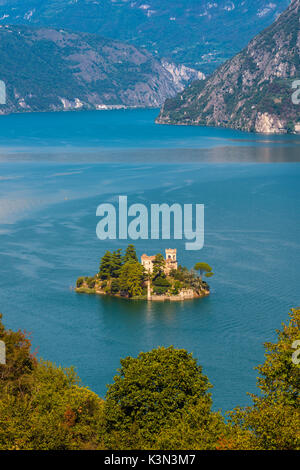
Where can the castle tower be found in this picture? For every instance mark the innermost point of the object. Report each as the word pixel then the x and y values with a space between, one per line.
pixel 171 259
pixel 171 254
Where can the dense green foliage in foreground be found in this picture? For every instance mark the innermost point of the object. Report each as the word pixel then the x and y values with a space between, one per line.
pixel 159 400
pixel 125 276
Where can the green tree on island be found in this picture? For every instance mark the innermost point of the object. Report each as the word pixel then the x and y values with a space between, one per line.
pixel 116 263
pixel 114 287
pixel 159 279
pixel 130 254
pixel 203 268
pixel 131 278
pixel 105 266
pixel 159 264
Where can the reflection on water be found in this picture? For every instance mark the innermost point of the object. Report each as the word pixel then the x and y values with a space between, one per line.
pixel 245 154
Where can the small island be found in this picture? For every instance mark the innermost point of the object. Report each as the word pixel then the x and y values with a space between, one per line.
pixel 155 278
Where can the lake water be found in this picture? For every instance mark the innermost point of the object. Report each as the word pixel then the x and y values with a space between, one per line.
pixel 55 169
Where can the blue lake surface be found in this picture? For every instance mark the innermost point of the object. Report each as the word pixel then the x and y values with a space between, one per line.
pixel 55 169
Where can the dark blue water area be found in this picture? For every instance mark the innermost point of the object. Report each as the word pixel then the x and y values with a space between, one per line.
pixel 56 168
pixel 118 129
pixel 252 241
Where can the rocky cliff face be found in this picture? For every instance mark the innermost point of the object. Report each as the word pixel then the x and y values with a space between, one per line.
pixel 253 91
pixel 181 74
pixel 50 70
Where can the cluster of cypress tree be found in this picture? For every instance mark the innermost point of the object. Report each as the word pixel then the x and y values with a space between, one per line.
pixel 111 263
pixel 122 274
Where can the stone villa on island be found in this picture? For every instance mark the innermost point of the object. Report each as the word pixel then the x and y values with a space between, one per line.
pixel 171 261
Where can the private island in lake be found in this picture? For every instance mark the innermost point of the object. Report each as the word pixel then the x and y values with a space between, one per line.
pixel 155 278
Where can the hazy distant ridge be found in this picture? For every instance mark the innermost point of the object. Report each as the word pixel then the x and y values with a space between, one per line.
pixel 201 34
pixel 49 70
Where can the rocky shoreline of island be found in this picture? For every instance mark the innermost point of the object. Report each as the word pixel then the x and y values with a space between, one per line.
pixel 155 278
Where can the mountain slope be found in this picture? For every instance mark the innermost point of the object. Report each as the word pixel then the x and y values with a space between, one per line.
pixel 198 33
pixel 48 69
pixel 252 91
